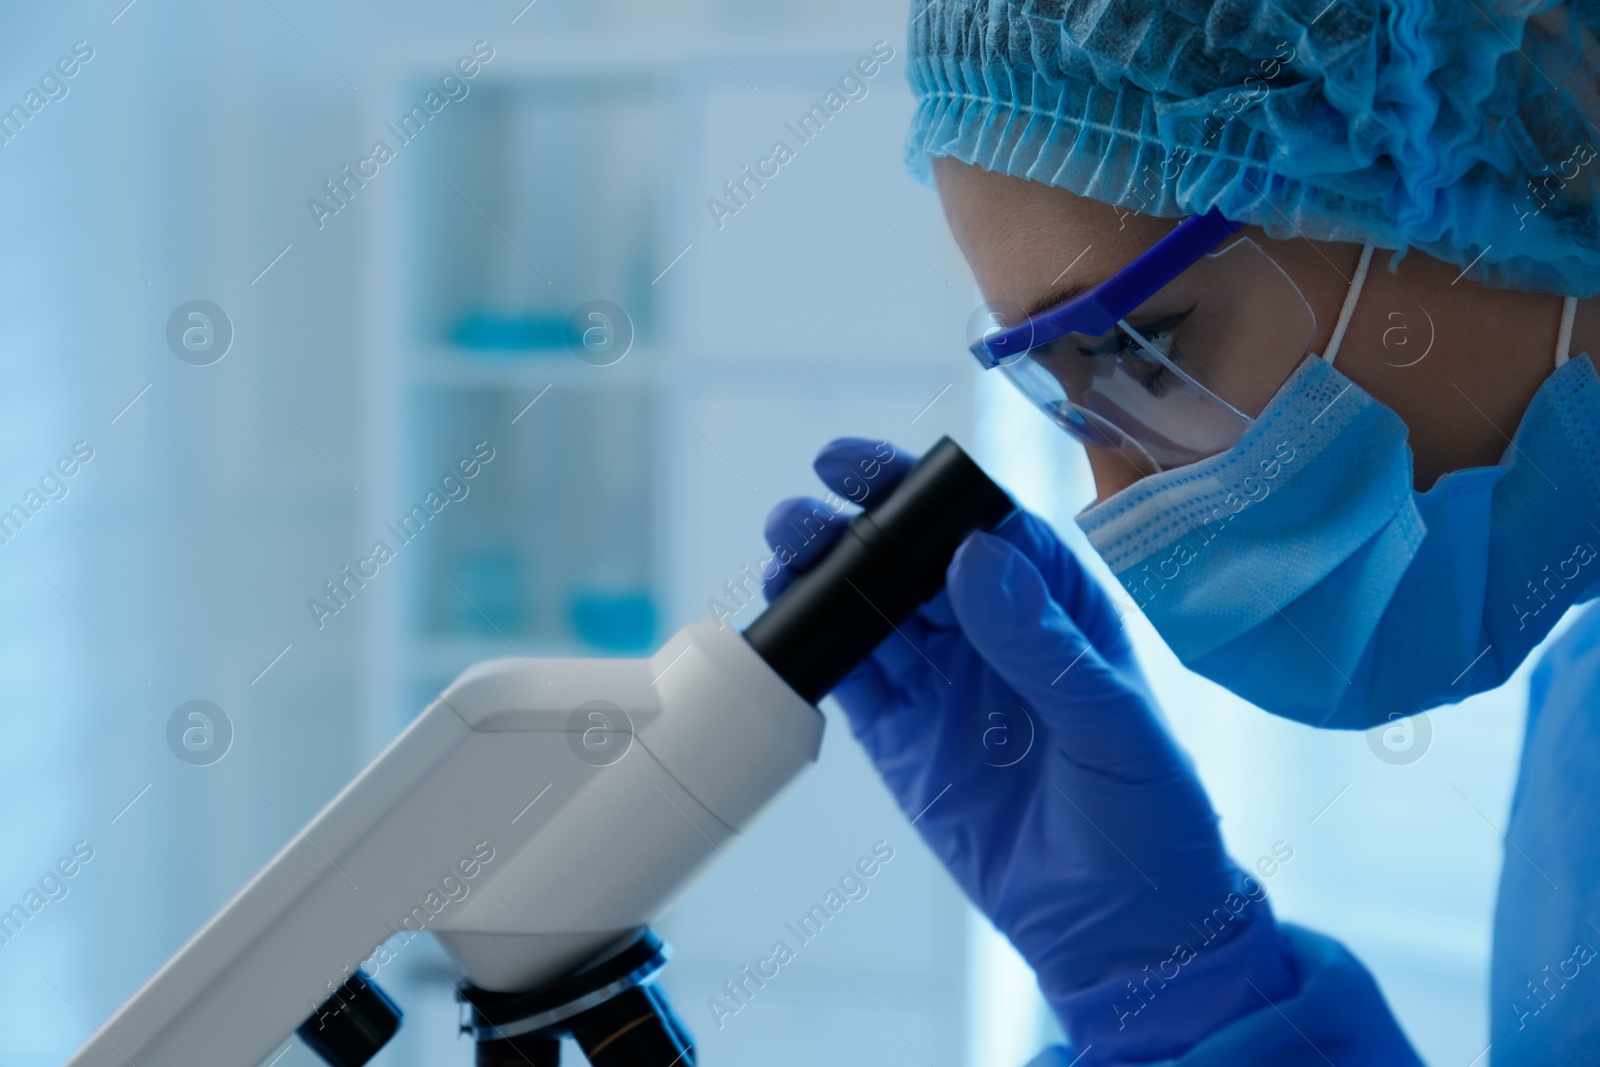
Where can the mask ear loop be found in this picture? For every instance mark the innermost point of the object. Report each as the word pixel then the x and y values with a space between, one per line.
pixel 1569 308
pixel 1350 297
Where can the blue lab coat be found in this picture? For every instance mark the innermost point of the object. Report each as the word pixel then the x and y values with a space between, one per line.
pixel 1544 985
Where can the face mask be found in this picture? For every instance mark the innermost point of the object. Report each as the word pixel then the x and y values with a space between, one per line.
pixel 1300 570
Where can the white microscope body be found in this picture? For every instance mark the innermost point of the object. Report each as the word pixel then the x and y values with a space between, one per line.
pixel 577 829
pixel 540 813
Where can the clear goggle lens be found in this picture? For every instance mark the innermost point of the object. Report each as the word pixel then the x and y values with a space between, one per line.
pixel 1183 375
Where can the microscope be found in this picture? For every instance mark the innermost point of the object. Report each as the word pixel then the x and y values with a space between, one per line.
pixel 538 816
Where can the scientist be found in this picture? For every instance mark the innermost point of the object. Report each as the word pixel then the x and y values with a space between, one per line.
pixel 1346 442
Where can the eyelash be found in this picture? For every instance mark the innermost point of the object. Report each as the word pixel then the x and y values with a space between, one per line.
pixel 1154 380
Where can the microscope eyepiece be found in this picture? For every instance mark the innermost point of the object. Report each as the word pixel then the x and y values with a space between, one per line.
pixel 891 559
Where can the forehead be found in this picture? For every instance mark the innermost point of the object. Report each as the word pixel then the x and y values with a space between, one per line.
pixel 1026 240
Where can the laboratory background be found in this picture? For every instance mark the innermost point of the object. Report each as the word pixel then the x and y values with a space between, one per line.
pixel 367 319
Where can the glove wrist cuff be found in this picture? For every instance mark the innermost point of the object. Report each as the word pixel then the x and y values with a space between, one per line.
pixel 1165 1007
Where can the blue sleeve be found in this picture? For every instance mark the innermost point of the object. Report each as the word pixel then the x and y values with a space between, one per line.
pixel 1541 998
pixel 1336 1014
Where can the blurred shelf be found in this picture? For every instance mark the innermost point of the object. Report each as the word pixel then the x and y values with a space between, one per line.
pixel 552 546
pixel 540 206
pixel 455 366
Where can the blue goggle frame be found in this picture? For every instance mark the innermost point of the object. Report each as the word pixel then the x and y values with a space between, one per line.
pixel 1098 311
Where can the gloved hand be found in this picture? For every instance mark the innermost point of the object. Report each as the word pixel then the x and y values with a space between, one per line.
pixel 1011 721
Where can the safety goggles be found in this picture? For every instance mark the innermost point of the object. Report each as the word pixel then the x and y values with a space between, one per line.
pixel 1171 358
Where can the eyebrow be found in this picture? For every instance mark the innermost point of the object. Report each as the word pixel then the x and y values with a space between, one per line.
pixel 1059 296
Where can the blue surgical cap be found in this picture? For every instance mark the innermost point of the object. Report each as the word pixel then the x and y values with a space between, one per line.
pixel 1458 127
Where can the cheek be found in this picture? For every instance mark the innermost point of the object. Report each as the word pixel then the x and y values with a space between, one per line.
pixel 1322 272
pixel 1112 472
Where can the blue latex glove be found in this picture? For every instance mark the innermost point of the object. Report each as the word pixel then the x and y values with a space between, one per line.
pixel 1337 1017
pixel 1011 721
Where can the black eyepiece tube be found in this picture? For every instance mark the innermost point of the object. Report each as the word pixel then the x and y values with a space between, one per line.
pixel 890 560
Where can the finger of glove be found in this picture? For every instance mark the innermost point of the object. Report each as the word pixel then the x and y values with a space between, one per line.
pixel 868 698
pixel 908 654
pixel 907 719
pixel 894 697
pixel 799 530
pixel 866 470
pixel 1006 611
pixel 897 658
pixel 1083 598
pixel 865 695
pixel 861 470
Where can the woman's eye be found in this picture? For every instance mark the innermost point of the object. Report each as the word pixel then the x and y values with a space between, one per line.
pixel 1161 341
pixel 1153 375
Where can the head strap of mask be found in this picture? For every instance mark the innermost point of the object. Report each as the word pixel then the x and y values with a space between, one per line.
pixel 1569 309
pixel 1350 297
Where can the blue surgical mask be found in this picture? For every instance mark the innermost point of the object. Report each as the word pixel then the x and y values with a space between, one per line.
pixel 1300 570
